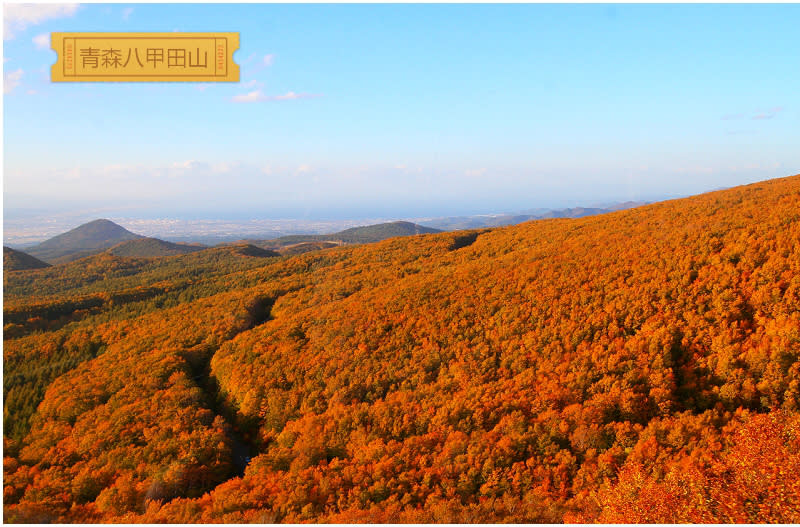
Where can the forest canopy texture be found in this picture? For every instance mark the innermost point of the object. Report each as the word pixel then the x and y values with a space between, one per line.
pixel 639 366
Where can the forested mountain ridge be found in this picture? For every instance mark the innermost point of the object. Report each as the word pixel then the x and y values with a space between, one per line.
pixel 382 231
pixel 14 260
pixel 642 365
pixel 82 241
pixel 152 248
pixel 354 235
pixel 101 235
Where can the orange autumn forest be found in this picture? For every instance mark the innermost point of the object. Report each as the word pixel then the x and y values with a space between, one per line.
pixel 636 366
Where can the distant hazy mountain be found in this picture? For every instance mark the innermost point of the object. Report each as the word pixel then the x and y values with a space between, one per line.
pixel 382 231
pixel 88 239
pixel 366 234
pixel 627 205
pixel 575 212
pixel 152 248
pixel 454 223
pixel 14 260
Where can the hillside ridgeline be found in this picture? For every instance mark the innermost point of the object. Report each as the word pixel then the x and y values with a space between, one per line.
pixel 636 366
pixel 14 260
pixel 85 240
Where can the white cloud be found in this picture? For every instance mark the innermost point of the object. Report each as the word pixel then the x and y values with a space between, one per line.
pixel 259 96
pixel 73 174
pixel 758 116
pixel 475 172
pixel 11 80
pixel 254 64
pixel 18 17
pixel 127 13
pixel 769 114
pixel 190 164
pixel 225 167
pixel 288 96
pixel 42 41
pixel 253 96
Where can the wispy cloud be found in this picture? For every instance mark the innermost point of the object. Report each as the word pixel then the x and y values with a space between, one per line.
pixel 292 95
pixel 758 116
pixel 253 96
pixel 42 41
pixel 186 165
pixel 19 17
pixel 259 96
pixel 475 172
pixel 11 80
pixel 252 65
pixel 769 114
pixel 126 13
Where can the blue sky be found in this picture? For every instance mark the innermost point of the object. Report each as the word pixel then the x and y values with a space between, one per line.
pixel 408 110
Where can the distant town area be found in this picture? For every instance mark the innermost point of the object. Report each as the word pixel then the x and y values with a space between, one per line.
pixel 24 232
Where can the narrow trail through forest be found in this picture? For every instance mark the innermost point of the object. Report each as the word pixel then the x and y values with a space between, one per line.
pixel 243 448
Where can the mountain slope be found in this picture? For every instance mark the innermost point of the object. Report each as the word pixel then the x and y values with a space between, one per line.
pixel 246 249
pixel 14 260
pixel 152 248
pixel 626 366
pixel 355 235
pixel 376 233
pixel 87 239
pixel 304 247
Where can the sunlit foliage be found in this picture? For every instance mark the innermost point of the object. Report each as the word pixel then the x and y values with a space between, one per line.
pixel 640 366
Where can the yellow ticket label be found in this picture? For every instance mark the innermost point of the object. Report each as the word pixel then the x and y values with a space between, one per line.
pixel 144 57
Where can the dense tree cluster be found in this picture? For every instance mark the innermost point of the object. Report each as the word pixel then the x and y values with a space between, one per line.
pixel 642 365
